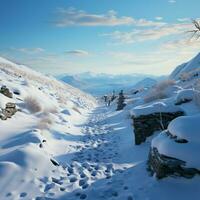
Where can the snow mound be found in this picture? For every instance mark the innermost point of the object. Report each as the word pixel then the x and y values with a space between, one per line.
pixel 186 127
pixel 23 138
pixel 155 107
pixel 186 94
pixel 182 142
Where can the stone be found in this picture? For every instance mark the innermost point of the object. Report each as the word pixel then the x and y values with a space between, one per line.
pixel 146 125
pixel 5 91
pixel 54 162
pixel 9 111
pixel 164 166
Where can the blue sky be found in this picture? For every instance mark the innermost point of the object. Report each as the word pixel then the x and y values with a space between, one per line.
pixel 109 36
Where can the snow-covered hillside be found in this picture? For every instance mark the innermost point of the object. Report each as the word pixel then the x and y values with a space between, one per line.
pixel 35 139
pixel 188 70
pixel 57 142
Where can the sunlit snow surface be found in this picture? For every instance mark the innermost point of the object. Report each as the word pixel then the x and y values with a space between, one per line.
pixel 94 145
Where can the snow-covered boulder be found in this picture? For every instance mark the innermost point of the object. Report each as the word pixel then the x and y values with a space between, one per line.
pixel 156 107
pixel 185 96
pixel 179 147
pixel 153 117
pixel 186 127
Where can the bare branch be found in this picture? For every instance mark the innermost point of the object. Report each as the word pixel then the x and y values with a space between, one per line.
pixel 195 32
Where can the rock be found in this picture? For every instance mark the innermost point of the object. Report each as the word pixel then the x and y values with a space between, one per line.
pixel 54 162
pixel 146 125
pixel 165 166
pixel 9 111
pixel 5 91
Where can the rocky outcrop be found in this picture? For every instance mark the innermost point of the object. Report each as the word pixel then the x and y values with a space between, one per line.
pixel 164 166
pixel 5 91
pixel 8 112
pixel 146 125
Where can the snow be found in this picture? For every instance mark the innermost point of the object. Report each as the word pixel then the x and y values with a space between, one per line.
pixel 191 66
pixel 29 140
pixel 186 127
pixel 187 152
pixel 155 107
pixel 186 94
pixel 92 143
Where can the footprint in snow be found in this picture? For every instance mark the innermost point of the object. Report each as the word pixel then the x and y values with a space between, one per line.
pixel 8 194
pixel 49 187
pixel 83 196
pixel 23 194
pixel 82 182
pixel 73 179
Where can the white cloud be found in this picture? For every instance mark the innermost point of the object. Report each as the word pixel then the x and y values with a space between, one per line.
pixel 172 1
pixel 181 43
pixel 159 18
pixel 74 17
pixel 28 50
pixel 158 61
pixel 78 52
pixel 186 19
pixel 147 34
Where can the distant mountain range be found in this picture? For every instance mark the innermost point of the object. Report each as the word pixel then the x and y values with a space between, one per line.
pixel 99 84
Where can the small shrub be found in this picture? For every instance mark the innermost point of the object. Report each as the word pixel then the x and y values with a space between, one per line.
pixel 52 110
pixel 32 104
pixel 45 122
pixel 159 91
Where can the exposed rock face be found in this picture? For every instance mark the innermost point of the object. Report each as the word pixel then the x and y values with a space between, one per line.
pixel 9 111
pixel 165 166
pixel 5 91
pixel 146 125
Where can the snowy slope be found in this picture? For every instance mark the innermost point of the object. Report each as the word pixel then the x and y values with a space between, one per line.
pixel 145 83
pixel 190 68
pixel 44 128
pixel 92 143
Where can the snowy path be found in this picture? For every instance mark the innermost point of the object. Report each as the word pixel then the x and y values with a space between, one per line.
pixel 100 168
pixel 107 165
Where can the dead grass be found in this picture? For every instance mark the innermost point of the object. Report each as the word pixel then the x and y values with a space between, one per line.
pixel 32 104
pixel 158 91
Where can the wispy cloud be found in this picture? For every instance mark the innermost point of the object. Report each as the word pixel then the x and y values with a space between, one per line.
pixel 186 19
pixel 172 1
pixel 152 33
pixel 74 17
pixel 28 50
pixel 181 43
pixel 78 52
pixel 159 18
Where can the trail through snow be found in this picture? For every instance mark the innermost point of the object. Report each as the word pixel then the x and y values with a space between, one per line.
pixel 110 166
pixel 104 164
